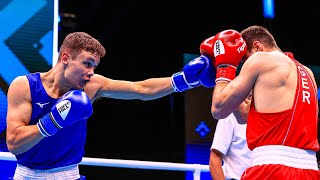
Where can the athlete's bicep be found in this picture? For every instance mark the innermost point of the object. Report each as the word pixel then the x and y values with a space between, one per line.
pixel 19 104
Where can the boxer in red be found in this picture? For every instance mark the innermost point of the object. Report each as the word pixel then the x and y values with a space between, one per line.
pixel 283 117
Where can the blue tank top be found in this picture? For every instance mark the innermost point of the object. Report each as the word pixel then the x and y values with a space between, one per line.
pixel 66 147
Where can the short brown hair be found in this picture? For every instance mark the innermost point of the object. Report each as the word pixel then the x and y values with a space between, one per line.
pixel 77 41
pixel 258 33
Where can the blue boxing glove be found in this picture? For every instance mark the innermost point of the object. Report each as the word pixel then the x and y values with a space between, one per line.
pixel 74 106
pixel 207 75
pixel 189 77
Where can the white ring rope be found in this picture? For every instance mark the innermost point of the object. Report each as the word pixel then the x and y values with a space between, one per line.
pixel 196 168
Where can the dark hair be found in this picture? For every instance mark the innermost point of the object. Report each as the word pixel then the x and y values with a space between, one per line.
pixel 77 41
pixel 258 33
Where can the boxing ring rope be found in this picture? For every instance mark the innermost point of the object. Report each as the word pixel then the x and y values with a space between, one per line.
pixel 196 168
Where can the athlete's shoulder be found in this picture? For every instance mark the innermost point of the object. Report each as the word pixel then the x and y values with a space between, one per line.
pixel 266 59
pixel 256 58
pixel 19 81
pixel 98 79
pixel 96 83
pixel 19 87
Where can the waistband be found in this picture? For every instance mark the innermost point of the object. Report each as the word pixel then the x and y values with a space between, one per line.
pixel 288 156
pixel 66 172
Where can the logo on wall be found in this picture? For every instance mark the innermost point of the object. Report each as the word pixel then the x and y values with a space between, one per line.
pixel 202 129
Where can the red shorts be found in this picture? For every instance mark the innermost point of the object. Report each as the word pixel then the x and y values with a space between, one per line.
pixel 279 172
pixel 277 162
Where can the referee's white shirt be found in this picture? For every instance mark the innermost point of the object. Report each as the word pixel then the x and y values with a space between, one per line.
pixel 230 139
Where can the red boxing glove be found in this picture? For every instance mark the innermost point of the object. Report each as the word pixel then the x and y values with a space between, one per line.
pixel 206 48
pixel 228 48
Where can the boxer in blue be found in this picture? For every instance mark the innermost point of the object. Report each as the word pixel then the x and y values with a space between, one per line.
pixel 48 111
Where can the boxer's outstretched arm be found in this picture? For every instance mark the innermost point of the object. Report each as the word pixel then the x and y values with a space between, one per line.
pixel 148 89
pixel 197 72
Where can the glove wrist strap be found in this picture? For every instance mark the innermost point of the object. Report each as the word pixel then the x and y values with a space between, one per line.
pixel 46 126
pixel 180 84
pixel 225 72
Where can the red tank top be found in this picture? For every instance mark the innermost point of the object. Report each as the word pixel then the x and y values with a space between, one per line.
pixel 296 127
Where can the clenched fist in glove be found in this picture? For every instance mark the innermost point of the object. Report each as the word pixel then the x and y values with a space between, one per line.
pixel 74 106
pixel 199 71
pixel 188 78
pixel 206 47
pixel 206 77
pixel 228 48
